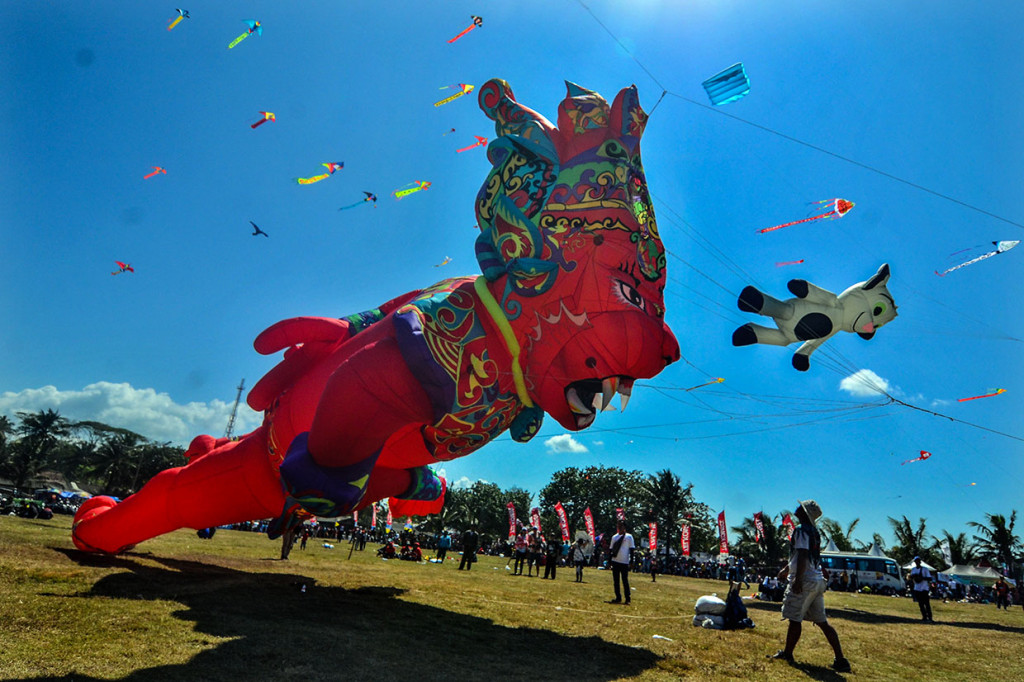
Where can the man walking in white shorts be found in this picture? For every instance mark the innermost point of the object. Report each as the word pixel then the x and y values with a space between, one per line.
pixel 805 591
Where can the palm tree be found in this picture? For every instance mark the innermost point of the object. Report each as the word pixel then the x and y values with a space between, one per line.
pixel 39 435
pixel 997 539
pixel 910 542
pixel 769 550
pixel 834 531
pixel 666 501
pixel 960 550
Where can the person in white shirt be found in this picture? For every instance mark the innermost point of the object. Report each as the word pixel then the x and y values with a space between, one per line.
pixel 805 591
pixel 921 578
pixel 622 552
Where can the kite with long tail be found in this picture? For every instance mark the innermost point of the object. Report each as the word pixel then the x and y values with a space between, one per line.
pixel 254 27
pixel 267 116
pixel 182 14
pixel 446 261
pixel 477 21
pixel 464 89
pixel 480 141
pixel 410 188
pixel 331 168
pixel 156 170
pixel 987 395
pixel 1001 247
pixel 837 208
pixel 713 381
pixel 370 198
pixel 924 455
pixel 123 267
pixel 789 262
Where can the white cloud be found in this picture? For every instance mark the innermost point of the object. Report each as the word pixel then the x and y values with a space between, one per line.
pixel 465 482
pixel 565 443
pixel 865 383
pixel 142 410
pixel 598 443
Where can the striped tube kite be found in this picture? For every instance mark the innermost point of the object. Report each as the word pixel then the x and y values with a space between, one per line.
pixel 254 27
pixel 1001 247
pixel 837 208
pixel 331 169
pixel 568 311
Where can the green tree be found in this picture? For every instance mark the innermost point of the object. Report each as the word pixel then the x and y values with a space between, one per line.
pixel 833 530
pixel 910 541
pixel 38 436
pixel 770 550
pixel 603 490
pixel 667 500
pixel 961 550
pixel 996 540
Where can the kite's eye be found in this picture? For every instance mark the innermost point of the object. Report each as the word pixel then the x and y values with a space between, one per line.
pixel 631 296
pixel 878 309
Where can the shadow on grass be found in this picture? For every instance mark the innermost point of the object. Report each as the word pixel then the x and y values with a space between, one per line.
pixel 331 633
pixel 876 618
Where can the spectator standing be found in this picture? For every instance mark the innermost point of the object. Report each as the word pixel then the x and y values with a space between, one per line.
pixel 921 581
pixel 622 547
pixel 444 543
pixel 554 551
pixel 579 559
pixel 1002 590
pixel 805 592
pixel 470 542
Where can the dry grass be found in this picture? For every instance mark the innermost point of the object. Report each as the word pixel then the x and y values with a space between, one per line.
pixel 183 608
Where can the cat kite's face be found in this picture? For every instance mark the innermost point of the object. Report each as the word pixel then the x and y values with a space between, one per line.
pixel 570 224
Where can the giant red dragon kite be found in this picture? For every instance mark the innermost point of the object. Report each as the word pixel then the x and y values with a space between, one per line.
pixel 568 312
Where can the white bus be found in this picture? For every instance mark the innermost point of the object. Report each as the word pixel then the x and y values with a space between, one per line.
pixel 873 571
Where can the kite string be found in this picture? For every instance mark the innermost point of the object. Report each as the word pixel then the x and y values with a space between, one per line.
pixel 815 147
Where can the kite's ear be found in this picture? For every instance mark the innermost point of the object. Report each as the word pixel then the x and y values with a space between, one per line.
pixel 515 120
pixel 880 277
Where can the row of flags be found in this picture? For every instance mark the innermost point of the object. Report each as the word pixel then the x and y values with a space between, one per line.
pixel 588 519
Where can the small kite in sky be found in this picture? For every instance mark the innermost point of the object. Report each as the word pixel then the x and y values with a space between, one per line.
pixel 987 395
pixel 446 261
pixel 1001 247
pixel 728 85
pixel 477 21
pixel 267 116
pixel 464 89
pixel 713 381
pixel 156 169
pixel 788 262
pixel 331 168
pixel 449 132
pixel 256 230
pixel 254 27
pixel 480 141
pixel 924 455
pixel 410 188
pixel 182 14
pixel 837 208
pixel 124 267
pixel 370 197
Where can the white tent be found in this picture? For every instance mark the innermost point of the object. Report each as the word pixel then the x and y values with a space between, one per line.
pixel 974 575
pixel 831 546
pixel 875 550
pixel 924 563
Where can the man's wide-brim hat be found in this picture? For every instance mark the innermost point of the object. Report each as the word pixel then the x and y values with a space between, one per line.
pixel 811 509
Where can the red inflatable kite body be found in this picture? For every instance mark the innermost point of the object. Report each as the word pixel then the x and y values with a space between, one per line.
pixel 569 311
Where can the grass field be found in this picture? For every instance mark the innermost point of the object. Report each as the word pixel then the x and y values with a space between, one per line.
pixel 187 609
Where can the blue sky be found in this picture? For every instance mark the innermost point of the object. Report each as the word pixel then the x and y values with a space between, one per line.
pixel 95 95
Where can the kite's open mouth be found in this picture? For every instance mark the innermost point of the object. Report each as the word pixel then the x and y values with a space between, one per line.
pixel 587 397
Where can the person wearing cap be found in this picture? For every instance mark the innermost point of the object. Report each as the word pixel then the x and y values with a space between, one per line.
pixel 805 592
pixel 921 578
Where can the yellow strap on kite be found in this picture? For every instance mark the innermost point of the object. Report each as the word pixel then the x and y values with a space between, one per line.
pixel 505 328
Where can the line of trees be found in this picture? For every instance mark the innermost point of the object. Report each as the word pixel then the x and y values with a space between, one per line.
pixel 115 461
pixel 97 457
